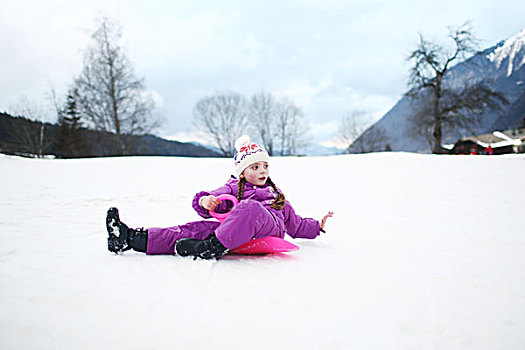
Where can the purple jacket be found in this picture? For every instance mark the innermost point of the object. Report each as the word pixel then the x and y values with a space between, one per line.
pixel 286 219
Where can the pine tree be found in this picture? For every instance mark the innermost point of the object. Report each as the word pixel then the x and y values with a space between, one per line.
pixel 69 138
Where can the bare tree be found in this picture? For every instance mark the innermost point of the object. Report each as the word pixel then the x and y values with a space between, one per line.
pixel 264 112
pixel 31 136
pixel 223 117
pixel 110 97
pixel 351 126
pixel 420 123
pixel 279 123
pixel 442 107
pixel 292 128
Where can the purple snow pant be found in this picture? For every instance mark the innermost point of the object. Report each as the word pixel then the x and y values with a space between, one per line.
pixel 248 220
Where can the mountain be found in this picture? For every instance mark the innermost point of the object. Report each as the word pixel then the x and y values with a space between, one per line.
pixel 503 63
pixel 316 149
pixel 311 150
pixel 23 136
pixel 514 118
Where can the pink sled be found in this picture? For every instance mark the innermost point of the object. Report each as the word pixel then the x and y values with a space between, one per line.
pixel 266 245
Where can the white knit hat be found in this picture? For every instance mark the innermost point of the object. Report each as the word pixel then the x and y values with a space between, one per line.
pixel 247 153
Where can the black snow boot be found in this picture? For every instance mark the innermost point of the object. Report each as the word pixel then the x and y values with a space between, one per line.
pixel 205 249
pixel 121 237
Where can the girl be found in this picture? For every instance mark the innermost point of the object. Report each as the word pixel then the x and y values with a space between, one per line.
pixel 262 211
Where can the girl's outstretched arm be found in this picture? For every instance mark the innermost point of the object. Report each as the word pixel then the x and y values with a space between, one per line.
pixel 323 220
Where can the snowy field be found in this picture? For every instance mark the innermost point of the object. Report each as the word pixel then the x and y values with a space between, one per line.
pixel 423 252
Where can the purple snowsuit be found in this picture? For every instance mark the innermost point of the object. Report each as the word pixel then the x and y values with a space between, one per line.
pixel 251 218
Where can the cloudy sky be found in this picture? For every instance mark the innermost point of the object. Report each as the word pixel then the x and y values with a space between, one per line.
pixel 330 57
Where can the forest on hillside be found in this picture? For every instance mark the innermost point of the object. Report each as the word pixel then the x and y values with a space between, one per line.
pixel 22 136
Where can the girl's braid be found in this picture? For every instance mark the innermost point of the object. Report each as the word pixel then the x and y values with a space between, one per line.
pixel 279 201
pixel 240 191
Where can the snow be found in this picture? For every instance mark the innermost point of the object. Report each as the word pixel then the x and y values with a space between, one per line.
pixel 510 50
pixel 423 252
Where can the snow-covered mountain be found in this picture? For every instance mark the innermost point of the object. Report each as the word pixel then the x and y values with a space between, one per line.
pixel 504 63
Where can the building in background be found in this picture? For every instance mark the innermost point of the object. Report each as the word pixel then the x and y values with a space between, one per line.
pixel 497 142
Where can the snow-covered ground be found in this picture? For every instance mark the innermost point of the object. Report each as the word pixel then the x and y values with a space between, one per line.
pixel 423 252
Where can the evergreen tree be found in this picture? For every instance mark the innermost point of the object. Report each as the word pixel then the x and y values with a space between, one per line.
pixel 69 138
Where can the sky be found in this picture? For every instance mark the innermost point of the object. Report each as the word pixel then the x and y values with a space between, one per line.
pixel 330 57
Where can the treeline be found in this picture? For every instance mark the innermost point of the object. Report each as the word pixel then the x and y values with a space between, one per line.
pixel 276 122
pixel 108 111
pixel 21 136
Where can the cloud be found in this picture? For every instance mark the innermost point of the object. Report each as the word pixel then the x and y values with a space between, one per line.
pixel 301 90
pixel 330 57
pixel 328 100
pixel 325 133
pixel 202 41
pixel 158 99
pixel 250 52
pixel 328 5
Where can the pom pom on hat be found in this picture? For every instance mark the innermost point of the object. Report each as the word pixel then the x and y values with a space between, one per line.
pixel 242 141
pixel 247 153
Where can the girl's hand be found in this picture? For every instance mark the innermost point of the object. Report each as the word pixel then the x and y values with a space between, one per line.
pixel 210 202
pixel 323 220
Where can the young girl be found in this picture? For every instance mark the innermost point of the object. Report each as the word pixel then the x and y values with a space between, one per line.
pixel 262 211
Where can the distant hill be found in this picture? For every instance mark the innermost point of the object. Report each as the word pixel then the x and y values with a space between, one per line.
pixel 504 63
pixel 23 136
pixel 311 150
pixel 315 149
pixel 514 117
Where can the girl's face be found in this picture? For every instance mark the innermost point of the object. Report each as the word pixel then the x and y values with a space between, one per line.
pixel 256 173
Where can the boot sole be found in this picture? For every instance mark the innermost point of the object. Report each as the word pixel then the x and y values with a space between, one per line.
pixel 116 243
